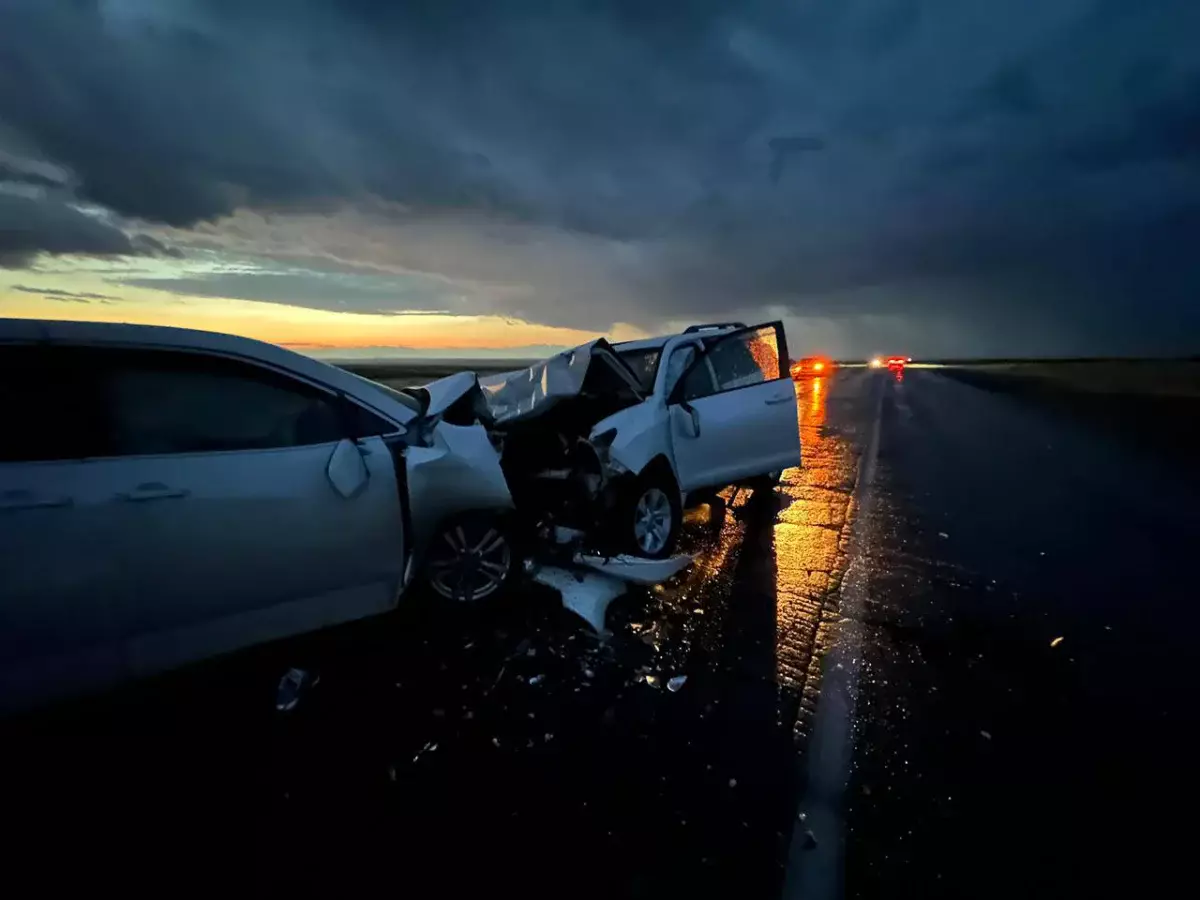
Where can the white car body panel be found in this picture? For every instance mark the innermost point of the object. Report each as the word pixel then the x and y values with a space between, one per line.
pixel 60 562
pixel 642 434
pixel 744 432
pixel 122 566
pixel 444 392
pixel 635 569
pixel 459 473
pixel 254 530
pixel 594 582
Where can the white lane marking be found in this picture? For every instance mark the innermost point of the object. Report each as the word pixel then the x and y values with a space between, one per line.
pixel 817 872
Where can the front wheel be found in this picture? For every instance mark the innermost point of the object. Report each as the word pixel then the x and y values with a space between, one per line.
pixel 470 559
pixel 653 517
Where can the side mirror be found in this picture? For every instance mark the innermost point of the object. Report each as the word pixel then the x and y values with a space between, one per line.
pixel 689 420
pixel 347 470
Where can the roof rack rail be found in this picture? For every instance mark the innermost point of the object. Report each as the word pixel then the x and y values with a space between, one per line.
pixel 692 329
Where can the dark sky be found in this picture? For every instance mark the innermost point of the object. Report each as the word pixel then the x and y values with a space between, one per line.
pixel 968 177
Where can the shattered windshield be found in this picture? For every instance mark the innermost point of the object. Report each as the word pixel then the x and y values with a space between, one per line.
pixel 643 364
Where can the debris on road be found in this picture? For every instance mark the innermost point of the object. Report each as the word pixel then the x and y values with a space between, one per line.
pixel 1056 642
pixel 986 735
pixel 676 683
pixel 587 594
pixel 733 782
pixel 428 748
pixel 536 679
pixel 943 534
pixel 653 680
pixel 293 684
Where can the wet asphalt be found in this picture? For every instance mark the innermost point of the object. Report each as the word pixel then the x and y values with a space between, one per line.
pixel 876 703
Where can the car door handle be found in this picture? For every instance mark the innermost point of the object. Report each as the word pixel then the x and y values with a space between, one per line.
pixel 152 491
pixel 27 500
pixel 787 398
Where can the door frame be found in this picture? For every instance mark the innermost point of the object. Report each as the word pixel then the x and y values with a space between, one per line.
pixel 708 344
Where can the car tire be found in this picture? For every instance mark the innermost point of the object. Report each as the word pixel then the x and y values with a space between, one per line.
pixel 471 559
pixel 652 516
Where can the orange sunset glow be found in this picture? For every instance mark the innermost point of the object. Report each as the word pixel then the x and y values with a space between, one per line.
pixel 318 331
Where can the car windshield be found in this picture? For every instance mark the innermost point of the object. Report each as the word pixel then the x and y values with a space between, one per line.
pixel 644 364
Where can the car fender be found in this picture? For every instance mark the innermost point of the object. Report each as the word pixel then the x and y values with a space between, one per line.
pixel 458 472
pixel 642 434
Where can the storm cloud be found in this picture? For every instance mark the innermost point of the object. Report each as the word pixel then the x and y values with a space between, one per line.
pixel 33 224
pixel 584 162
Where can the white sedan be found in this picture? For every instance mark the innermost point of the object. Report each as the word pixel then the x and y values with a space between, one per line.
pixel 169 495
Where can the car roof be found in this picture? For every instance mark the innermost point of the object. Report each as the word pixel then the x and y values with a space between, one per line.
pixel 169 338
pixel 663 340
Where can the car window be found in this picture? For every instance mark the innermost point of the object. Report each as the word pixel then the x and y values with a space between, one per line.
pixel 698 381
pixel 745 359
pixel 175 402
pixel 48 408
pixel 643 364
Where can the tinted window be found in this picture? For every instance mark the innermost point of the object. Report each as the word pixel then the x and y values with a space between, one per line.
pixel 361 423
pixel 698 382
pixel 47 406
pixel 744 359
pixel 164 402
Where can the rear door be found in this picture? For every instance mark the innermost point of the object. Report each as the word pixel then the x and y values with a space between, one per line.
pixel 62 581
pixel 252 505
pixel 733 413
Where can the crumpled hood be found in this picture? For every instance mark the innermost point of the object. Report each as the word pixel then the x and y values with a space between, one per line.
pixel 527 393
pixel 445 392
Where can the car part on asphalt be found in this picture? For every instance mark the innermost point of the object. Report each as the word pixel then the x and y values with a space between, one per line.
pixel 294 684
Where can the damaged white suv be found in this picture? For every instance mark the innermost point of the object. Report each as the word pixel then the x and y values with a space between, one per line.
pixel 604 444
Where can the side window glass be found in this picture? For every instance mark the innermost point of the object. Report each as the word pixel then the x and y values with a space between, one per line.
pixel 48 406
pixel 746 359
pixel 160 402
pixel 698 382
pixel 362 423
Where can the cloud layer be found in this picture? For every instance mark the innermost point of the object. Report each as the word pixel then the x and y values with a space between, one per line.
pixel 582 162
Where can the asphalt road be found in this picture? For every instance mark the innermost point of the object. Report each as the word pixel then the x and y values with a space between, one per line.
pixel 877 702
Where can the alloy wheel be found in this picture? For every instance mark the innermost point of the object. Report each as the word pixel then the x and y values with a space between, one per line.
pixel 468 563
pixel 652 521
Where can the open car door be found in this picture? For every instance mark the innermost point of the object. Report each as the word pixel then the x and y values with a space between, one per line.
pixel 733 412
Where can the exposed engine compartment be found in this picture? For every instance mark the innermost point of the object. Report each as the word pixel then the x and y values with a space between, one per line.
pixel 557 475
